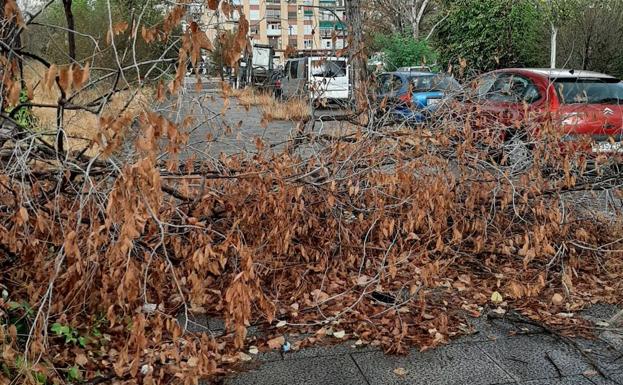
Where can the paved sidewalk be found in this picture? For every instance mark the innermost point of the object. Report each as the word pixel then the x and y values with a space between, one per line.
pixel 500 352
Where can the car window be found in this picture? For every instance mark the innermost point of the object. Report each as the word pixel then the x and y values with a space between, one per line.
pixel 294 66
pixel 434 83
pixel 500 91
pixel 421 83
pixel 390 83
pixel 592 91
pixel 512 88
pixel 483 86
pixel 328 68
pixel 523 89
pixel 446 83
pixel 396 83
pixel 532 94
pixel 380 82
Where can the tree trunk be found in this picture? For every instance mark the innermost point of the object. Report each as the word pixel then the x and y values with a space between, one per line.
pixel 415 28
pixel 357 55
pixel 71 27
pixel 417 15
pixel 588 42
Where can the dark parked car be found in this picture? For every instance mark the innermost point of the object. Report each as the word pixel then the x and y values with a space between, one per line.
pixel 414 96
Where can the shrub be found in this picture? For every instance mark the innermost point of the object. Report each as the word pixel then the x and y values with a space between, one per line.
pixel 490 34
pixel 402 51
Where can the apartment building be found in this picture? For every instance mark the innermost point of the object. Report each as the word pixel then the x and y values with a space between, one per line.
pixel 300 24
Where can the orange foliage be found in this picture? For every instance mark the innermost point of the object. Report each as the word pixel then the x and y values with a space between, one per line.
pixel 125 246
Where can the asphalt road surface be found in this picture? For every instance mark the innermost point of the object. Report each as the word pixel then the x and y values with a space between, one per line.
pixel 224 126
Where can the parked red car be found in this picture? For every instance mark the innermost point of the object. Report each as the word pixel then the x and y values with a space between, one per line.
pixel 585 106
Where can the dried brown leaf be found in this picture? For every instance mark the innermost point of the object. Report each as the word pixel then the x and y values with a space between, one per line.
pixel 65 79
pixel 276 343
pixel 80 75
pixel 12 11
pixel 160 91
pixel 557 299
pixel 81 359
pixel 213 4
pixel 148 34
pixel 30 93
pixel 14 92
pixel 400 372
pixel 50 77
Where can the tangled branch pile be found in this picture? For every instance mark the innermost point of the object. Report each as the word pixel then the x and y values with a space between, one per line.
pixel 115 245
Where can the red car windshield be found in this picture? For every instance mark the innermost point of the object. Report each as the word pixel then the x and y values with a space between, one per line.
pixel 589 91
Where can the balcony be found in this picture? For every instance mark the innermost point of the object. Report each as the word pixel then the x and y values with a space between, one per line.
pixel 332 25
pixel 273 32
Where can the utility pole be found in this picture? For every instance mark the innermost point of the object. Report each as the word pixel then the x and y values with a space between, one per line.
pixel 554 33
pixel 357 55
pixel 553 48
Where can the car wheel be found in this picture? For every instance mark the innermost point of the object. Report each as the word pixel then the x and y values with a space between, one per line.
pixel 518 152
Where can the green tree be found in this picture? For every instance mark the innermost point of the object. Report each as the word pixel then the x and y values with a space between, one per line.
pixel 556 14
pixel 490 34
pixel 402 51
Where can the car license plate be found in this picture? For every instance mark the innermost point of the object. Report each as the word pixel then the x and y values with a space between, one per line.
pixel 608 147
pixel 432 102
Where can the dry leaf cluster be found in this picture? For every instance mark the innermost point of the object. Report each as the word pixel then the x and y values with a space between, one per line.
pixel 385 235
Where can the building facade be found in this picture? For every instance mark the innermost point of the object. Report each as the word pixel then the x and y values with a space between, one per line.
pixel 314 25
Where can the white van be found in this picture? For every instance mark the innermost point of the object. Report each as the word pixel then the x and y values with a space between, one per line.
pixel 317 77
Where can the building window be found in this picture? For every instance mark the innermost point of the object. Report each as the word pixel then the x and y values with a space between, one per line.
pixel 254 14
pixel 274 42
pixel 327 44
pixel 328 16
pixel 273 14
pixel 254 2
pixel 292 15
pixel 307 44
pixel 254 29
pixel 308 29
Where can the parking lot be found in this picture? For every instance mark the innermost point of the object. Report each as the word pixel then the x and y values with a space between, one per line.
pixel 223 125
